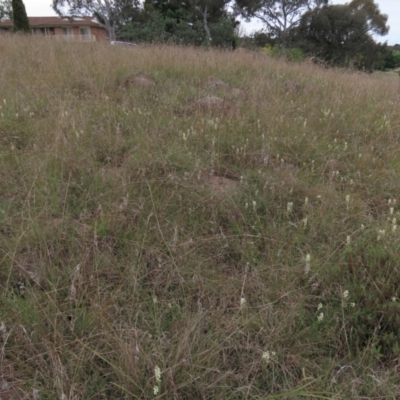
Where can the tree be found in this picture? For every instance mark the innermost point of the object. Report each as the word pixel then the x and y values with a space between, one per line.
pixel 189 9
pixel 171 9
pixel 192 11
pixel 225 33
pixel 342 34
pixel 209 11
pixel 110 13
pixel 20 19
pixel 160 30
pixel 376 22
pixel 5 10
pixel 279 16
pixel 180 26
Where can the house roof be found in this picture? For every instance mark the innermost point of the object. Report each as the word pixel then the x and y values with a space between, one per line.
pixel 52 22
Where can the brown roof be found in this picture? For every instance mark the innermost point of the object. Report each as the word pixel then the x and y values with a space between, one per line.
pixel 53 22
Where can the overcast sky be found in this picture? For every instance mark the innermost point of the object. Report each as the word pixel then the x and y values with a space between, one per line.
pixel 390 7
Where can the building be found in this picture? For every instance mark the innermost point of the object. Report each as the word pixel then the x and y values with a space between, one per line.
pixel 86 29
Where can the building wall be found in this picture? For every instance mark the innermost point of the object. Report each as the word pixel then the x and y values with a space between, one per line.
pixel 99 33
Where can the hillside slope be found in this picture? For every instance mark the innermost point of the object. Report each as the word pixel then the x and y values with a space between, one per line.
pixel 188 224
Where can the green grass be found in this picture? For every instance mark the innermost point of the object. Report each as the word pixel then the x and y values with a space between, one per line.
pixel 148 233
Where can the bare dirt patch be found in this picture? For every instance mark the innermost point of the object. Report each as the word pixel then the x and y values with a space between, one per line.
pixel 142 79
pixel 215 83
pixel 211 104
pixel 222 185
pixel 236 92
pixel 293 86
pixel 218 84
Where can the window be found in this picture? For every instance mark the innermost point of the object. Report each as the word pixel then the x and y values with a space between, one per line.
pixel 67 31
pixel 84 31
pixel 38 31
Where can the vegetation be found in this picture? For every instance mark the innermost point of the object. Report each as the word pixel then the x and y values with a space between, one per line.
pixel 291 54
pixel 157 29
pixel 197 22
pixel 20 19
pixel 279 16
pixel 110 13
pixel 192 11
pixel 157 246
pixel 392 59
pixel 341 34
pixel 194 22
pixel 5 9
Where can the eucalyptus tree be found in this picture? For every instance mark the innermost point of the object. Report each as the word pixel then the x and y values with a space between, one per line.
pixel 5 10
pixel 191 11
pixel 342 34
pixel 375 21
pixel 209 11
pixel 278 16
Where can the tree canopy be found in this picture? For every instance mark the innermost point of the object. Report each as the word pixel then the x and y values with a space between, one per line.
pixel 20 19
pixel 279 16
pixel 376 22
pixel 342 34
pixel 191 22
pixel 192 11
pixel 5 9
pixel 181 21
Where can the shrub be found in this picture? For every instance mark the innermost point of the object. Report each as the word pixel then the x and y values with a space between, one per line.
pixel 291 54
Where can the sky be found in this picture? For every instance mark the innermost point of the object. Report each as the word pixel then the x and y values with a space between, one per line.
pixel 41 8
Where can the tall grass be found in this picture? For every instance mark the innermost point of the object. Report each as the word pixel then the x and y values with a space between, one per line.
pixel 150 249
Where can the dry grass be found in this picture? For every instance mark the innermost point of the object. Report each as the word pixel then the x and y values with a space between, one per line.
pixel 136 235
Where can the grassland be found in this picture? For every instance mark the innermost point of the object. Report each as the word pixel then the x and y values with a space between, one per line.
pixel 151 247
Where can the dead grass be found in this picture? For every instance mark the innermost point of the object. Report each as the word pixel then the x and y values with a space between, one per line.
pixel 195 227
